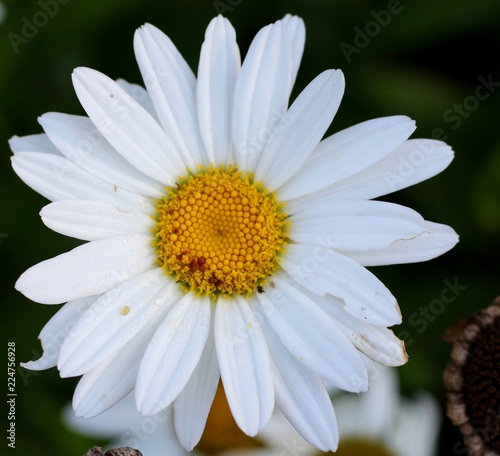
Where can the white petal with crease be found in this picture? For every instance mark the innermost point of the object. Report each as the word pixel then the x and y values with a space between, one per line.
pixel 435 240
pixel 325 272
pixel 355 225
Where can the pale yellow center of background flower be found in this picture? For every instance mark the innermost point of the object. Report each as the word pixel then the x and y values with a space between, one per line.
pixel 360 446
pixel 219 232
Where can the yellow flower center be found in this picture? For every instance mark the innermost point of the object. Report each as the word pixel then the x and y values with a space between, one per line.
pixel 221 431
pixel 220 232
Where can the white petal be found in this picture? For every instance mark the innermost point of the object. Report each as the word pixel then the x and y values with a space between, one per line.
pixel 33 143
pixel 347 152
pixel 355 226
pixel 57 178
pixel 56 330
pixel 172 87
pixel 116 376
pixel 308 333
pixel 301 129
pixel 217 74
pixel 107 425
pixel 262 93
pixel 414 161
pixel 193 404
pixel 435 240
pixel 110 381
pixel 325 272
pixel 301 395
pixel 244 364
pixel 82 143
pixel 416 427
pixel 127 126
pixel 139 94
pixel 93 220
pixel 372 413
pixel 297 31
pixel 112 321
pixel 152 436
pixel 88 269
pixel 173 353
pixel 377 342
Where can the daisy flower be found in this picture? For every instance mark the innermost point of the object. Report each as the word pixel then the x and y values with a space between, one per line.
pixel 227 239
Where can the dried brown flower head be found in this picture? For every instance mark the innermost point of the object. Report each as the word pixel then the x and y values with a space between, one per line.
pixel 472 380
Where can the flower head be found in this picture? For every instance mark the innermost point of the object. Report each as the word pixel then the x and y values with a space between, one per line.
pixel 471 379
pixel 227 238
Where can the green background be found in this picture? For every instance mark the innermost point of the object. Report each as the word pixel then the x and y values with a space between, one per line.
pixel 425 63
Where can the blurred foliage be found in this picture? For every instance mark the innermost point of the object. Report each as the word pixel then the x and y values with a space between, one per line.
pixel 424 61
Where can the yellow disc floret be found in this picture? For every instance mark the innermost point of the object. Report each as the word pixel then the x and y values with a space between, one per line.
pixel 219 232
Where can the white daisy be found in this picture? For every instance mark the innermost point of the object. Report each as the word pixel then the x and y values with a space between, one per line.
pixel 227 239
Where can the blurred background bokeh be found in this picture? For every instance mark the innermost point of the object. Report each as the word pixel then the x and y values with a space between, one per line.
pixel 437 61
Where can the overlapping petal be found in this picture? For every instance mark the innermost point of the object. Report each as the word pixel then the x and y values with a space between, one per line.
pixel 112 321
pixel 77 138
pixel 308 333
pixel 311 412
pixel 245 364
pixel 192 406
pixel 347 152
pixel 300 130
pixel 56 330
pixel 262 93
pixel 172 354
pixel 171 85
pixel 57 178
pixel 127 126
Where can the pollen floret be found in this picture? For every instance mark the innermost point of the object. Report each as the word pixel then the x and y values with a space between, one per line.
pixel 220 232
